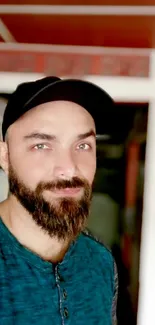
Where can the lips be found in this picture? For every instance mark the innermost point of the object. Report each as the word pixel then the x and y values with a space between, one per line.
pixel 67 191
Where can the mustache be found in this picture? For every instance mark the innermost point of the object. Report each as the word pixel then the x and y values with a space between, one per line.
pixel 62 184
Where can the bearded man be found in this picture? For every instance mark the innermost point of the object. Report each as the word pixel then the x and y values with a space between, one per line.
pixel 52 271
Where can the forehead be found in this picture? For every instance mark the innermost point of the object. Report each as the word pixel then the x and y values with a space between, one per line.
pixel 55 116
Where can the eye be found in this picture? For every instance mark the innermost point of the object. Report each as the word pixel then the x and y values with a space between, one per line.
pixel 40 146
pixel 84 146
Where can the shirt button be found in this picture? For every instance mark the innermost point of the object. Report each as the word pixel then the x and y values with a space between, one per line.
pixel 66 314
pixel 64 294
pixel 60 278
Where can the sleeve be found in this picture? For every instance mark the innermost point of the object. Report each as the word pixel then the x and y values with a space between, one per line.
pixel 115 297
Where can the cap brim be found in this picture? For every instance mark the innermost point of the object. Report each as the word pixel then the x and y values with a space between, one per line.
pixel 93 98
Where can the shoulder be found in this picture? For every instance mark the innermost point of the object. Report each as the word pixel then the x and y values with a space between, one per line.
pixel 96 241
pixel 102 253
pixel 97 246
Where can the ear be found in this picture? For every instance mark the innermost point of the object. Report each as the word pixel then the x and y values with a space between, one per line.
pixel 4 162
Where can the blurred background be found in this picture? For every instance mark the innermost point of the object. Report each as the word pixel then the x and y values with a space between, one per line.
pixel 109 43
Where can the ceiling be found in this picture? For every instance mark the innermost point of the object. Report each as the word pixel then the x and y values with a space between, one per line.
pixel 109 26
pixel 121 29
pixel 81 2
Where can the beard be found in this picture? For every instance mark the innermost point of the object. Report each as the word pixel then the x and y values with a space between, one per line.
pixel 63 218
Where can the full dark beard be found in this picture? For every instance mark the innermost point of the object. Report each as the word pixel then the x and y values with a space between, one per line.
pixel 64 217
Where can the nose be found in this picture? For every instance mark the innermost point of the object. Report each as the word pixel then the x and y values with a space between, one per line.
pixel 65 166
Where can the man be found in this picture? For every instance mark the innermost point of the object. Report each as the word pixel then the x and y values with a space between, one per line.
pixel 51 270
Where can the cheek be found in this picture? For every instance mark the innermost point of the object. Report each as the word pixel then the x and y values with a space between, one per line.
pixel 87 168
pixel 30 169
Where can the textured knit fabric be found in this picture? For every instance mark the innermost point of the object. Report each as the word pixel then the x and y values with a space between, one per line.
pixel 82 289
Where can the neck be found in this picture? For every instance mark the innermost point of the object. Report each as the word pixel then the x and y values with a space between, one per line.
pixel 22 226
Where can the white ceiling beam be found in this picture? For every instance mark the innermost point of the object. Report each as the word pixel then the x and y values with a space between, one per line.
pixel 124 89
pixel 5 33
pixel 73 49
pixel 77 10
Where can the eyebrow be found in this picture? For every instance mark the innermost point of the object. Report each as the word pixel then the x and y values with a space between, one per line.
pixel 91 133
pixel 50 137
pixel 41 136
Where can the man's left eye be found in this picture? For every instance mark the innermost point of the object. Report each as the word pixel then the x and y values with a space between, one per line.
pixel 84 146
pixel 40 146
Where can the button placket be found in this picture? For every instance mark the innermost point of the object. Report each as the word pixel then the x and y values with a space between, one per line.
pixel 63 296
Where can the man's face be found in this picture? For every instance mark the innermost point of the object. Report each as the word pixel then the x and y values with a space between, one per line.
pixel 51 165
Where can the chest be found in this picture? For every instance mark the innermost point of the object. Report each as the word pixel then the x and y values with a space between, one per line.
pixel 76 295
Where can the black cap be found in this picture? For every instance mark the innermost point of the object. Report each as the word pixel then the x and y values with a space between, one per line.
pixel 31 94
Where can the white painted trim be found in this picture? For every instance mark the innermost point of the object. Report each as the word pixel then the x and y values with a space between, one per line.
pixel 5 33
pixel 72 49
pixel 120 88
pixel 10 80
pixel 77 10
pixel 124 88
pixel 146 313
